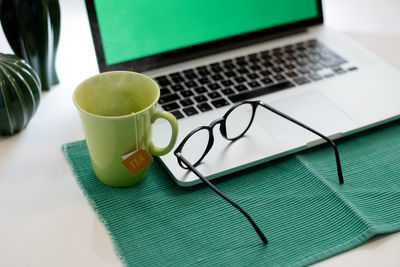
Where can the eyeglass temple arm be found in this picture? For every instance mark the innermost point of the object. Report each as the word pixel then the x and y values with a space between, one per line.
pixel 216 190
pixel 338 165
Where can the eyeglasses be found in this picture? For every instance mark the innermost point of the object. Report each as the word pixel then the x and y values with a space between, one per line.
pixel 203 136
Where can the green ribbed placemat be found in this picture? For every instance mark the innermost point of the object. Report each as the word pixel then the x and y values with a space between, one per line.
pixel 296 201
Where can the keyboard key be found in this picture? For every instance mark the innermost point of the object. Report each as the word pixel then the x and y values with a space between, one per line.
pixel 178 79
pixel 291 74
pixel 241 63
pixel 278 53
pixel 227 83
pixel 190 111
pixel 313 61
pixel 262 91
pixel 230 74
pixel 170 106
pixel 187 93
pixel 200 90
pixel 200 98
pixel 300 63
pixel 168 98
pixel 267 81
pixel 243 70
pixel 191 84
pixel 228 91
pixel 204 107
pixel 219 103
pixel 178 115
pixel 277 69
pixel 301 56
pixel 303 70
pixel 216 64
pixel 217 77
pixel 161 78
pixel 163 81
pixel 301 80
pixel 177 87
pixel 265 55
pixel 278 77
pixel 289 66
pixel 228 64
pixel 315 68
pixel 312 43
pixel 216 69
pixel 314 76
pixel 265 73
pixel 254 84
pixel 241 87
pixel 186 102
pixel 204 73
pixel 188 71
pixel 333 63
pixel 278 61
pixel 291 58
pixel 240 59
pixel 213 86
pixel 201 68
pixel 204 80
pixel 339 70
pixel 240 79
pixel 191 76
pixel 164 91
pixel 214 95
pixel 175 74
pixel 253 58
pixel 252 76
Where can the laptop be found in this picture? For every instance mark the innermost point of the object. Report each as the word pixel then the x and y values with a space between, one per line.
pixel 208 55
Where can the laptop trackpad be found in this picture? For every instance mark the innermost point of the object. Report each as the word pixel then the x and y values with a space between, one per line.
pixel 312 109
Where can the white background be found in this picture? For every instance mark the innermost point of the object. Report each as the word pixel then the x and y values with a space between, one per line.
pixel 45 220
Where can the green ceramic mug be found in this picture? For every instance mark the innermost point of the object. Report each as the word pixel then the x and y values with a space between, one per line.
pixel 117 110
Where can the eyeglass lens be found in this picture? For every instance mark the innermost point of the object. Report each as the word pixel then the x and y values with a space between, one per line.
pixel 195 146
pixel 238 120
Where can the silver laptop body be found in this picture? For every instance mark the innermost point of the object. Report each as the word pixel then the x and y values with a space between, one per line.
pixel 366 94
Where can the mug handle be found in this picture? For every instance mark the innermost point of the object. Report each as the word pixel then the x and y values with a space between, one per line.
pixel 156 151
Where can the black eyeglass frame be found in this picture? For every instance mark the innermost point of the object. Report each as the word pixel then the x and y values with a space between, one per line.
pixel 184 163
pixel 210 127
pixel 254 105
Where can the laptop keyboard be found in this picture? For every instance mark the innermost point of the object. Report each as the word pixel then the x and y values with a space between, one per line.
pixel 219 84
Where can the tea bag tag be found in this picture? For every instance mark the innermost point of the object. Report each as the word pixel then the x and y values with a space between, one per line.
pixel 137 160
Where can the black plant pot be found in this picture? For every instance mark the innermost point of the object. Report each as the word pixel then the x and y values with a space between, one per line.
pixel 32 28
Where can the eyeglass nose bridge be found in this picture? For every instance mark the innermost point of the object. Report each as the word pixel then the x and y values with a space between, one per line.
pixel 215 122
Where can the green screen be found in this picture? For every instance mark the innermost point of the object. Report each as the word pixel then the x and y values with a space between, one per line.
pixel 132 29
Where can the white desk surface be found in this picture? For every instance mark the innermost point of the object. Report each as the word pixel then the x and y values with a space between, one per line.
pixel 45 218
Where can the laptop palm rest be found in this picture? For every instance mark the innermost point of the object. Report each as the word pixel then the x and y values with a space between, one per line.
pixel 312 109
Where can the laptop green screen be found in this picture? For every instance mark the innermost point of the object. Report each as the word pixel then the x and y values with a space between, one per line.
pixel 132 29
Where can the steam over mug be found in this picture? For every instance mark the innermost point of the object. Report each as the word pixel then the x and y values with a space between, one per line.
pixel 117 110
